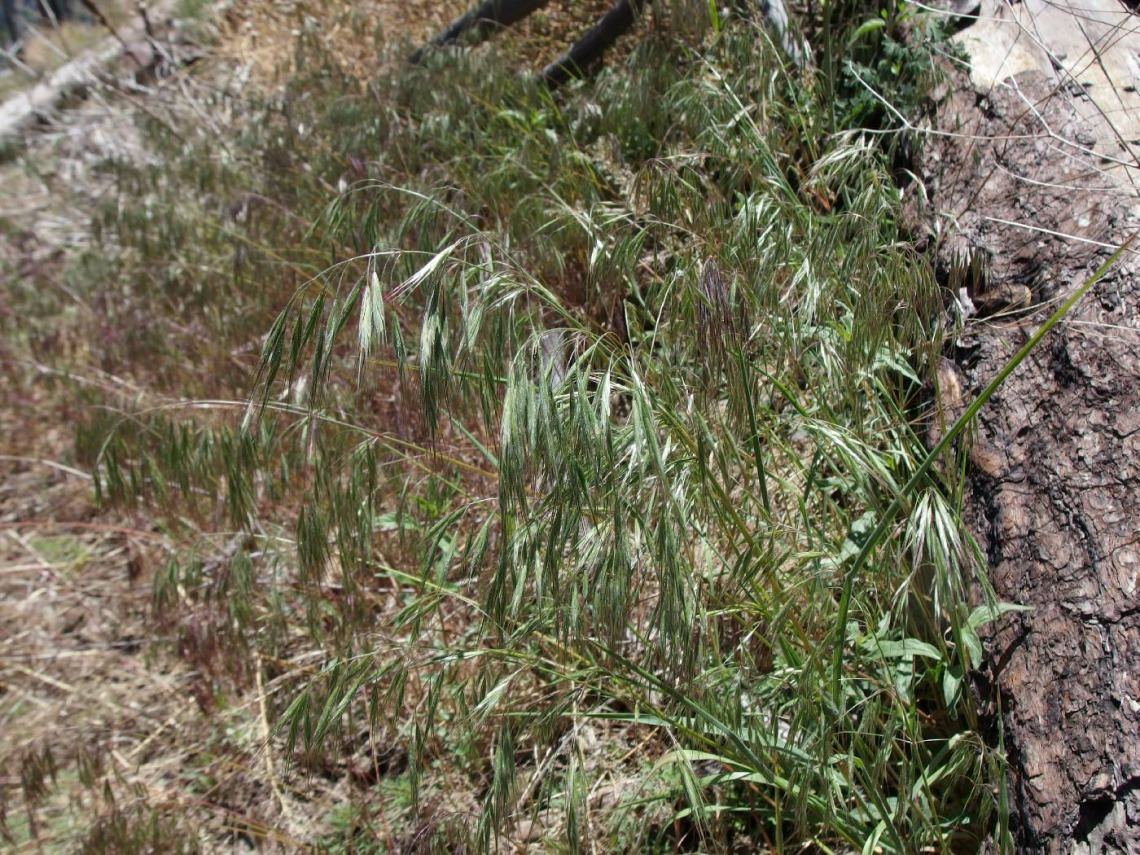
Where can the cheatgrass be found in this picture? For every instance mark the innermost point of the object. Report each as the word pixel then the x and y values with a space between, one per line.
pixel 543 416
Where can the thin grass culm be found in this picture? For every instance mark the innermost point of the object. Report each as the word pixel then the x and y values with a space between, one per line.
pixel 953 432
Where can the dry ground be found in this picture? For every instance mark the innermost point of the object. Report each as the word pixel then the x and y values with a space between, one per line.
pixel 93 694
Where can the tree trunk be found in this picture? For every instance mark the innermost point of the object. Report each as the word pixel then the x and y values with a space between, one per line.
pixel 8 22
pixel 1054 491
pixel 597 40
pixel 489 16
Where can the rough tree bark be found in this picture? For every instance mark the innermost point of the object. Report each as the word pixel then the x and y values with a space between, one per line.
pixel 1055 486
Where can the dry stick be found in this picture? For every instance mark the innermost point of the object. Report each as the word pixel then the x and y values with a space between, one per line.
pixel 552 754
pixel 142 10
pixel 267 739
pixel 134 532
pixel 11 458
pixel 68 689
pixel 9 54
pixel 597 40
pixel 90 6
pixel 490 15
pixel 48 12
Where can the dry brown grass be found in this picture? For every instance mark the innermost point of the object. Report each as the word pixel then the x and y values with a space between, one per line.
pixel 87 668
pixel 88 671
pixel 84 675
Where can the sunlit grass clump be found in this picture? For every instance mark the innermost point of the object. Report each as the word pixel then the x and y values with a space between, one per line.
pixel 557 423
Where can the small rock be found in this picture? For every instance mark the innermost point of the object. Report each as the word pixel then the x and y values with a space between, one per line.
pixel 1003 298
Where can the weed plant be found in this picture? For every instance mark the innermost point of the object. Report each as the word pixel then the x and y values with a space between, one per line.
pixel 572 415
